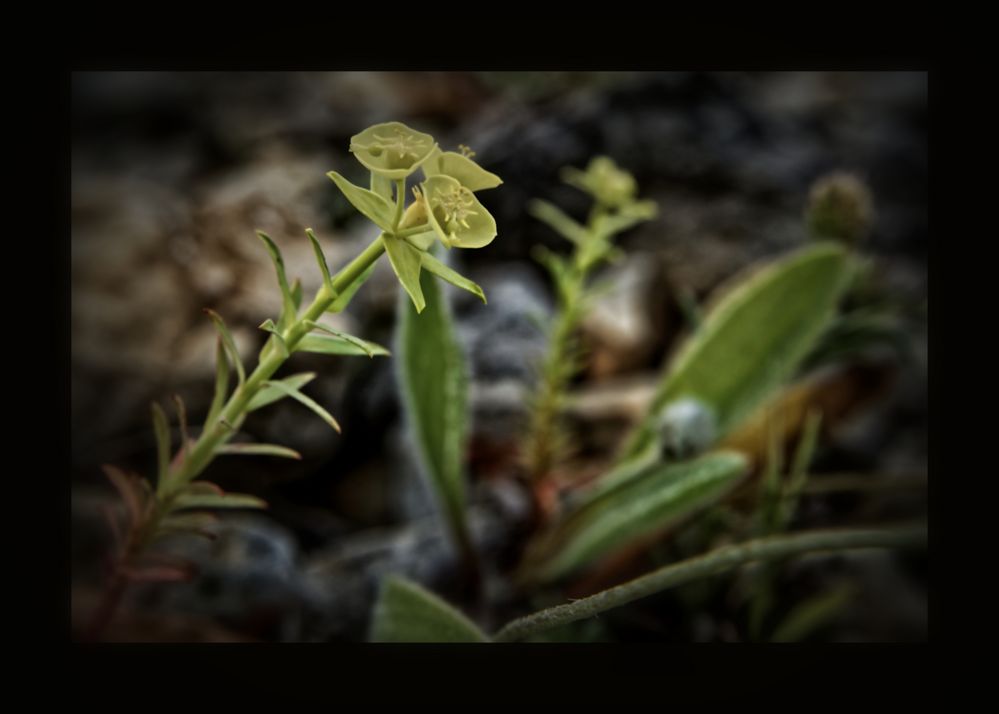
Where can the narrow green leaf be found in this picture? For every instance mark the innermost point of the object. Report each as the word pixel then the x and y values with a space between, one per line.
pixel 368 348
pixel 211 500
pixel 269 326
pixel 405 260
pixel 344 298
pixel 559 221
pixel 750 343
pixel 188 523
pixel 296 294
pixel 322 344
pixel 812 614
pixel 321 259
pixel 130 491
pixel 287 301
pixel 185 439
pixel 444 272
pixel 307 401
pixel 227 340
pixel 406 612
pixel 269 395
pixel 221 383
pixel 162 431
pixel 379 210
pixel 259 449
pixel 433 377
pixel 657 499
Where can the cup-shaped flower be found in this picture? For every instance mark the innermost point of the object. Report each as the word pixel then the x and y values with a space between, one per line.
pixel 456 215
pixel 392 150
pixel 609 185
pixel 461 167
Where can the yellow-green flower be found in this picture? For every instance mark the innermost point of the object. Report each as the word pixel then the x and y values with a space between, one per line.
pixel 392 150
pixel 459 166
pixel 456 215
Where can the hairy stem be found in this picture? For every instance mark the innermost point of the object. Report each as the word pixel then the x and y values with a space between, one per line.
pixel 712 563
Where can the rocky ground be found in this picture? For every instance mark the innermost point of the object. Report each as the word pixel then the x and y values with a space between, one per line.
pixel 173 173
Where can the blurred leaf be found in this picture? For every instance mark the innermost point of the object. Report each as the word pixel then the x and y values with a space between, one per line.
pixel 657 498
pixel 307 401
pixel 227 340
pixel 287 302
pixel 213 500
pixel 854 333
pixel 375 207
pixel 405 260
pixel 130 490
pixel 162 431
pixel 189 523
pixel 344 298
pixel 814 613
pixel 406 612
pixel 221 384
pixel 554 217
pixel 368 348
pixel 321 260
pixel 185 439
pixel 434 389
pixel 259 449
pixel 751 342
pixel 296 293
pixel 268 395
pixel 444 272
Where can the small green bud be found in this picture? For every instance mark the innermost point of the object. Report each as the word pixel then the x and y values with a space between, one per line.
pixel 840 208
pixel 392 150
pixel 610 185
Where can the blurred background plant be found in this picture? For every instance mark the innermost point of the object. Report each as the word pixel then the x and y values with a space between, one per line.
pixel 171 172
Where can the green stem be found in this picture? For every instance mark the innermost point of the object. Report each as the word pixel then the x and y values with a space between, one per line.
pixel 400 203
pixel 712 563
pixel 412 231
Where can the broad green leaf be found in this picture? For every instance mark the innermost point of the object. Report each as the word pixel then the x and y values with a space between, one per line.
pixel 405 260
pixel 406 612
pixel 307 401
pixel 654 500
pixel 344 298
pixel 269 326
pixel 321 259
pixel 460 167
pixel 376 208
pixel 287 301
pixel 456 215
pixel 221 384
pixel 211 500
pixel 327 345
pixel 751 342
pixel 441 270
pixel 268 395
pixel 559 221
pixel 369 348
pixel 162 431
pixel 433 378
pixel 227 340
pixel 259 449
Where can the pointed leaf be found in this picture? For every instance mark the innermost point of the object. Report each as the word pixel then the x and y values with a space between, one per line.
pixel 422 241
pixel 559 221
pixel 221 384
pixel 322 344
pixel 211 500
pixel 162 431
pixel 321 259
pixel 227 340
pixel 262 449
pixel 406 612
pixel 441 270
pixel 752 341
pixel 342 335
pixel 307 401
pixel 433 377
pixel 276 337
pixel 658 498
pixel 344 298
pixel 287 302
pixel 374 207
pixel 296 294
pixel 269 395
pixel 405 260
pixel 129 490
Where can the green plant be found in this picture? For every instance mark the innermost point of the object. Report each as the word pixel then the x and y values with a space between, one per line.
pixel 615 209
pixel 444 208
